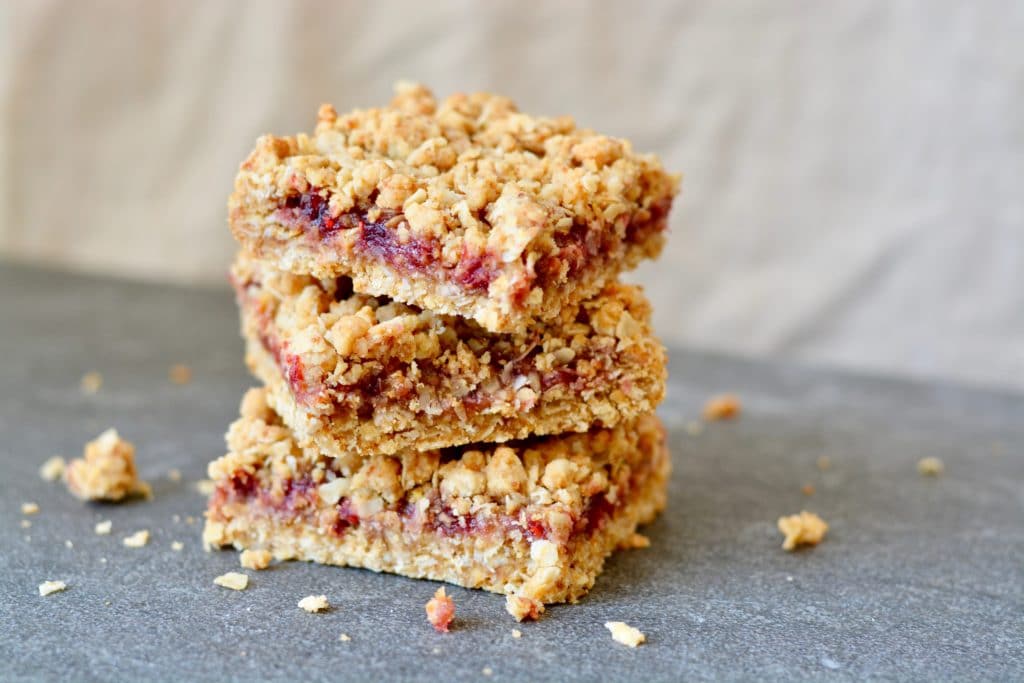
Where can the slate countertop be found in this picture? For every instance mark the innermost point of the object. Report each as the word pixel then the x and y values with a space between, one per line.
pixel 919 578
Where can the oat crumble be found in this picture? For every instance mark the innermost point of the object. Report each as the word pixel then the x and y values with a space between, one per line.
pixel 440 611
pixel 255 559
pixel 805 528
pixel 314 603
pixel 524 608
pixel 624 633
pixel 236 581
pixel 106 471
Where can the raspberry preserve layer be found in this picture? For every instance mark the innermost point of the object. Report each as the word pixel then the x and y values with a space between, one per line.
pixel 356 373
pixel 536 518
pixel 466 207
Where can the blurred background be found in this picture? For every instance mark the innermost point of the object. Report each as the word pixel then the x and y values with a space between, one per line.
pixel 853 171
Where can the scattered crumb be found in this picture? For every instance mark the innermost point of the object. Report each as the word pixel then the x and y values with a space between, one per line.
pixel 25 523
pixel 180 374
pixel 106 471
pixel 255 559
pixel 824 463
pixel 694 428
pixel 236 581
pixel 174 474
pixel 928 467
pixel 68 544
pixel 190 520
pixel 789 578
pixel 624 633
pixel 440 611
pixel 103 528
pixel 47 587
pixel 103 560
pixel 722 407
pixel 805 528
pixel 205 486
pixel 91 382
pixel 176 519
pixel 807 489
pixel 314 603
pixel 523 608
pixel 53 469
pixel 137 540
pixel 487 671
pixel 29 509
pixel 635 542
pixel 344 638
pixel 177 546
pixel 516 633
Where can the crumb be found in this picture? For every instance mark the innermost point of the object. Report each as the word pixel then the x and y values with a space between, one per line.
pixel 722 407
pixel 180 374
pixel 807 489
pixel 635 542
pixel 805 528
pixel 928 467
pixel 694 428
pixel 68 544
pixel 255 559
pixel 29 509
pixel 25 524
pixel 177 546
pixel 236 581
pixel 824 463
pixel 523 608
pixel 52 469
pixel 106 471
pixel 516 633
pixel 487 671
pixel 174 474
pixel 103 528
pixel 624 633
pixel 91 382
pixel 176 519
pixel 205 486
pixel 440 611
pixel 344 638
pixel 789 578
pixel 103 560
pixel 136 540
pixel 314 603
pixel 190 520
pixel 47 587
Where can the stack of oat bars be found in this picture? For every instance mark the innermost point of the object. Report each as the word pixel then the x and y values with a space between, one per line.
pixel 456 385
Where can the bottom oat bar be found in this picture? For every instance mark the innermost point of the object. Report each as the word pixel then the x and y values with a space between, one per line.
pixel 535 518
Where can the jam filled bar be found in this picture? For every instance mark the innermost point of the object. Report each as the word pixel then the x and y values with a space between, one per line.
pixel 355 373
pixel 466 207
pixel 533 518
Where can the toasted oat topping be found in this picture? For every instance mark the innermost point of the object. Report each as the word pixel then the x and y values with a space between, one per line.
pixel 314 603
pixel 802 529
pixel 255 559
pixel 29 509
pixel 440 611
pixel 624 633
pixel 137 540
pixel 48 587
pixel 91 382
pixel 523 608
pixel 106 471
pixel 930 467
pixel 236 581
pixel 722 407
pixel 53 468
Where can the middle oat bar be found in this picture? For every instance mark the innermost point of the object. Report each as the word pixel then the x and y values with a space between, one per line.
pixel 351 373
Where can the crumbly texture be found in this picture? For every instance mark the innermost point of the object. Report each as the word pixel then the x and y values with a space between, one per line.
pixel 106 471
pixel 352 372
pixel 440 611
pixel 722 407
pixel 624 633
pixel 523 608
pixel 535 518
pixel 930 467
pixel 53 468
pixel 236 581
pixel 635 542
pixel 48 587
pixel 136 540
pixel 465 207
pixel 804 529
pixel 255 559
pixel 314 603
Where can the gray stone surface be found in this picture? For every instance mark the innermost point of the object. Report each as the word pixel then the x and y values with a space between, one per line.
pixel 918 578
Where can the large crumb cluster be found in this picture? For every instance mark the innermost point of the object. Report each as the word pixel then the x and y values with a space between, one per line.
pixel 106 471
pixel 805 528
pixel 624 633
pixel 440 611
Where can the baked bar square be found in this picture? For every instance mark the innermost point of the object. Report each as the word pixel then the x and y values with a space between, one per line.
pixel 355 373
pixel 534 518
pixel 465 207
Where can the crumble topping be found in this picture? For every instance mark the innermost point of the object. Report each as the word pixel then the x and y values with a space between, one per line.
pixel 805 528
pixel 314 603
pixel 236 581
pixel 523 608
pixel 255 559
pixel 440 611
pixel 624 633
pixel 29 509
pixel 48 587
pixel 930 467
pixel 91 382
pixel 53 468
pixel 137 540
pixel 722 407
pixel 180 374
pixel 106 471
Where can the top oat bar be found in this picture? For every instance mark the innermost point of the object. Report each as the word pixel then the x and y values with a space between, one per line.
pixel 465 207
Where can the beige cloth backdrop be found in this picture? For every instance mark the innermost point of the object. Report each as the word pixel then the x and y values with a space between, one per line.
pixel 854 188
